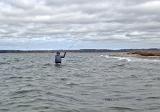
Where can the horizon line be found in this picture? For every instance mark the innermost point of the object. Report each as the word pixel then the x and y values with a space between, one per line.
pixel 75 49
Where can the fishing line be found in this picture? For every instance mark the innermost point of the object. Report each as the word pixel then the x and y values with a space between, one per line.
pixel 72 45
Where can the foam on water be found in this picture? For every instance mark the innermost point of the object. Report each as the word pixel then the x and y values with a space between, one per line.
pixel 119 58
pixel 133 59
pixel 123 58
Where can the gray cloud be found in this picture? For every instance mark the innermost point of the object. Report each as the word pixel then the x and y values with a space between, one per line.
pixel 121 20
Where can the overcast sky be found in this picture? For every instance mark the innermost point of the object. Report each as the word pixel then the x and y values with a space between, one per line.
pixel 75 24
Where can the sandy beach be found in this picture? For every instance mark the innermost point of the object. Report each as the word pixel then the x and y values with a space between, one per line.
pixel 139 54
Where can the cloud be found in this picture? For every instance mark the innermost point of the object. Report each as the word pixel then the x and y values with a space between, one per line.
pixel 87 20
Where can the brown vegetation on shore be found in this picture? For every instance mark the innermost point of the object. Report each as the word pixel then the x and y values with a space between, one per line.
pixel 146 53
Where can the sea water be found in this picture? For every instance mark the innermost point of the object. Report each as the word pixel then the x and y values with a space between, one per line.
pixel 84 82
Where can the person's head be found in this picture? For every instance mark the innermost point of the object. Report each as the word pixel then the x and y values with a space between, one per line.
pixel 58 53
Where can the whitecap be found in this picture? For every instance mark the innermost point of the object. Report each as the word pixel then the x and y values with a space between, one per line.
pixel 124 58
pixel 120 58
pixel 107 56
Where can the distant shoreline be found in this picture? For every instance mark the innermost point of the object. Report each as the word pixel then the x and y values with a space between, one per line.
pixel 139 54
pixel 128 52
pixel 132 51
pixel 146 53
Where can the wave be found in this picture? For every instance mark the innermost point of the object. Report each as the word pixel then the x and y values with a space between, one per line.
pixel 131 58
pixel 4 63
pixel 123 58
pixel 122 108
pixel 71 84
pixel 119 58
pixel 153 97
pixel 25 91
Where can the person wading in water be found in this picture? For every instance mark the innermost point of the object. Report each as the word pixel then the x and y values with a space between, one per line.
pixel 58 57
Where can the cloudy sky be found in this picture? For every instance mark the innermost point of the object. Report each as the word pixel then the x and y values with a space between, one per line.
pixel 77 24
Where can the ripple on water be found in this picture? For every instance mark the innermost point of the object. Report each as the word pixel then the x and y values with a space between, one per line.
pixel 63 79
pixel 153 97
pixel 4 110
pixel 89 83
pixel 23 105
pixel 71 84
pixel 122 108
pixel 22 92
pixel 43 107
pixel 111 99
pixel 47 64
pixel 4 63
pixel 156 78
pixel 15 77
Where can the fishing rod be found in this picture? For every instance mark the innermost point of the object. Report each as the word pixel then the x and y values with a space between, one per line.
pixel 73 43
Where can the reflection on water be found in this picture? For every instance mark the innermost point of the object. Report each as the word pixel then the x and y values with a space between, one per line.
pixel 84 82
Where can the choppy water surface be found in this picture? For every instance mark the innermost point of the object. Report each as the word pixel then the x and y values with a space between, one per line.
pixel 85 82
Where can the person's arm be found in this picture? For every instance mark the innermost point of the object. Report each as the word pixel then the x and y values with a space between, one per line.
pixel 63 55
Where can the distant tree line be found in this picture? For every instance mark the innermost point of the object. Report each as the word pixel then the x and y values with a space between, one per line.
pixel 80 50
